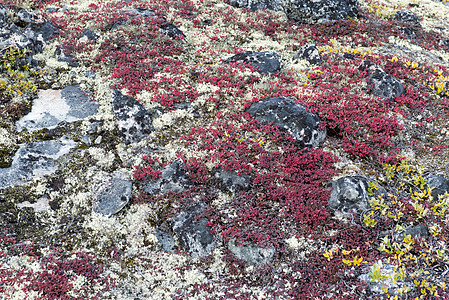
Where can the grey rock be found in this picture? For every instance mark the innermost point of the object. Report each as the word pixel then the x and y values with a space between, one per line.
pixel 55 106
pixel 90 74
pixel 70 60
pixel 439 184
pixel 231 181
pixel 3 13
pixel 133 120
pixel 386 279
pixel 34 160
pixel 172 31
pixel 309 52
pixel 111 196
pixel 193 233
pixel 258 4
pixel 90 35
pixel 320 11
pixel 166 240
pixel 172 180
pixel 251 254
pixel 381 83
pixel 267 61
pixel 351 194
pixel 294 118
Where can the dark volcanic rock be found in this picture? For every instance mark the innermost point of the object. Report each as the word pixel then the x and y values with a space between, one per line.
pixel 351 194
pixel 439 185
pixel 303 125
pixel 267 62
pixel 258 4
pixel 381 84
pixel 320 11
pixel 309 52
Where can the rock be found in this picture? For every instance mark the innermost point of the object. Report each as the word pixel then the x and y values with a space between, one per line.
pixel 111 196
pixel 320 11
pixel 88 35
pixel 408 23
pixel 166 240
pixel 258 4
pixel 310 53
pixel 55 106
pixel 267 62
pixel 34 160
pixel 193 234
pixel 303 125
pixel 3 13
pixel 172 179
pixel 350 194
pixel 71 61
pixel 439 184
pixel 172 31
pixel 384 279
pixel 133 120
pixel 231 181
pixel 252 255
pixel 381 83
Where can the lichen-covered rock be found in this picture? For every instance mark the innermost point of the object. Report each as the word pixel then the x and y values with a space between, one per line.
pixel 258 4
pixel 111 196
pixel 408 23
pixel 350 194
pixel 382 276
pixel 166 240
pixel 381 84
pixel 309 52
pixel 34 160
pixel 251 254
pixel 320 11
pixel 267 61
pixel 55 106
pixel 292 117
pixel 193 233
pixel 133 120
pixel 172 179
pixel 172 31
pixel 231 181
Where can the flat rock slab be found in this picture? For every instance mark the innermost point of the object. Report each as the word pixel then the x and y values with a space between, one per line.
pixel 55 106
pixel 111 196
pixel 33 161
pixel 251 254
pixel 292 117
pixel 267 61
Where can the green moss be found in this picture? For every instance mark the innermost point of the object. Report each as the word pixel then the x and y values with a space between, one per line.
pixel 6 155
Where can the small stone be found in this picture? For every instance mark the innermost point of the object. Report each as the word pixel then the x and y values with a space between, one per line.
pixel 251 254
pixel 112 196
pixel 267 61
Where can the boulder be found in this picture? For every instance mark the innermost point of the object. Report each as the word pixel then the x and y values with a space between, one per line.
pixel 350 194
pixel 133 120
pixel 439 185
pixel 320 11
pixel 268 62
pixel 408 23
pixel 381 84
pixel 292 117
pixel 192 232
pixel 310 53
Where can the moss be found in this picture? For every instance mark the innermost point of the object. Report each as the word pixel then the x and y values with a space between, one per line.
pixel 6 155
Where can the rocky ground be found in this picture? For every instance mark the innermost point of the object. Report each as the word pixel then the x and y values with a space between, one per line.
pixel 215 149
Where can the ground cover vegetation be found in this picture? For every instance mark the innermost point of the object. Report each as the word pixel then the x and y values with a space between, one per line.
pixel 318 254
